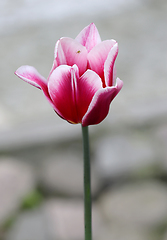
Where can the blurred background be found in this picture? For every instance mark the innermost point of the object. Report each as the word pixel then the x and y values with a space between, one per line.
pixel 41 186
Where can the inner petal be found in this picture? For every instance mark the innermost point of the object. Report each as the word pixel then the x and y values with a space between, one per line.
pixel 70 52
pixel 97 57
pixel 89 37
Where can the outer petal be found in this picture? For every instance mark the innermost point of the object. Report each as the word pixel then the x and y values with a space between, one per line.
pixel 99 106
pixel 61 86
pixel 89 37
pixel 88 84
pixel 30 74
pixel 69 52
pixel 70 94
pixel 109 69
pixel 98 55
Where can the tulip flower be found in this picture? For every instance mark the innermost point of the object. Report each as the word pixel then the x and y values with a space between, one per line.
pixel 80 86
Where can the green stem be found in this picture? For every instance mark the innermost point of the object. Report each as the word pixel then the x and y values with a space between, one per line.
pixel 87 185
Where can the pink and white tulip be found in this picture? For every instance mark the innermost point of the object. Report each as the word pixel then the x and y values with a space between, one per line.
pixel 80 86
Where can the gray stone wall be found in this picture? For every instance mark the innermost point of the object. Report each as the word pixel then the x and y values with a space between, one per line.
pixel 41 177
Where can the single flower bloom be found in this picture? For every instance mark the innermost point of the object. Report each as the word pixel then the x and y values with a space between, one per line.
pixel 80 86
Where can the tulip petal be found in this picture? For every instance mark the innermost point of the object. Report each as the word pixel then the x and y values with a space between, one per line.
pixel 69 52
pixel 61 87
pixel 70 94
pixel 30 74
pixel 97 57
pixel 88 84
pixel 109 69
pixel 89 37
pixel 100 104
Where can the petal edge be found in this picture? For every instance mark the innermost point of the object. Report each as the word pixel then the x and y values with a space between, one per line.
pixel 32 76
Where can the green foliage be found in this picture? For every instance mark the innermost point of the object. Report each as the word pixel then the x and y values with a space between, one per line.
pixel 8 223
pixel 32 200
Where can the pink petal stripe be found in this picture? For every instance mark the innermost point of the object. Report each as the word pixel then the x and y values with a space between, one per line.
pixel 61 87
pixel 89 37
pixel 100 104
pixel 109 72
pixel 88 84
pixel 98 55
pixel 69 52
pixel 30 74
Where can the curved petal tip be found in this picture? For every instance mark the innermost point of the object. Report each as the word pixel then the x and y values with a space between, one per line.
pixel 99 106
pixel 31 75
